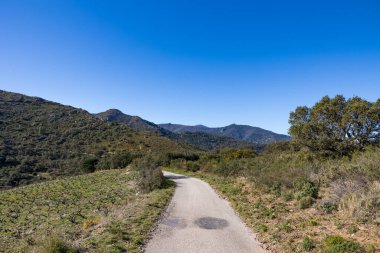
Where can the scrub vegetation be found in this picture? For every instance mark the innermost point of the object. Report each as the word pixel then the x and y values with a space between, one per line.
pixel 105 211
pixel 98 186
pixel 318 193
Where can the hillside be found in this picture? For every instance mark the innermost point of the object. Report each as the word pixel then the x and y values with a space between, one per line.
pixel 42 140
pixel 98 212
pixel 246 133
pixel 211 142
pixel 198 139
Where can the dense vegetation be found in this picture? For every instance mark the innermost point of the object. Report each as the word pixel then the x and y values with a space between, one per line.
pixel 42 140
pixel 211 142
pixel 300 197
pixel 100 212
pixel 336 126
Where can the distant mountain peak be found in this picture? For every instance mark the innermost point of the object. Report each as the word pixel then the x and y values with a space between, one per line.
pixel 115 115
pixel 114 111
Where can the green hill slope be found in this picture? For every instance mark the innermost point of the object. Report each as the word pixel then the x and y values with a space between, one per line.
pixel 211 142
pixel 41 140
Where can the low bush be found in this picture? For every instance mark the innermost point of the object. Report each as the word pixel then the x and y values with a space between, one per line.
pixel 119 160
pixel 306 202
pixel 150 174
pixel 305 188
pixel 234 154
pixel 88 165
pixel 276 189
pixel 193 166
pixel 56 245
pixel 328 206
pixel 305 192
pixel 262 228
pixel 338 244
pixel 184 156
pixel 307 244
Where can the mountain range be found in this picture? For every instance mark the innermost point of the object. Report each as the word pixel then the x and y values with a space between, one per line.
pixel 246 133
pixel 199 140
pixel 42 140
pixel 200 136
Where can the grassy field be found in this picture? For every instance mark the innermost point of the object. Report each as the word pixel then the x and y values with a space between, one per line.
pixel 283 226
pixel 99 212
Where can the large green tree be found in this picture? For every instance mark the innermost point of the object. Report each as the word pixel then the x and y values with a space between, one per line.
pixel 336 126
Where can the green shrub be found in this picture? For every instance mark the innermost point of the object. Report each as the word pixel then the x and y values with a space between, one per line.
pixel 235 154
pixel 262 228
pixel 307 244
pixel 287 196
pixel 192 166
pixel 116 161
pixel 305 188
pixel 88 165
pixel 187 157
pixel 110 249
pixel 56 245
pixel 279 146
pixel 306 202
pixel 276 189
pixel 285 226
pixel 117 230
pixel 150 174
pixel 328 207
pixel 338 244
pixel 121 160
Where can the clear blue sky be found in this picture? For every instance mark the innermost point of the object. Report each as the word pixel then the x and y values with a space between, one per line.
pixel 191 62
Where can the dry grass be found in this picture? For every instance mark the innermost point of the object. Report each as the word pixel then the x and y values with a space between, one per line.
pixel 282 225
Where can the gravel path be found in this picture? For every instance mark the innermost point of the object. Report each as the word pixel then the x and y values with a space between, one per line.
pixel 198 220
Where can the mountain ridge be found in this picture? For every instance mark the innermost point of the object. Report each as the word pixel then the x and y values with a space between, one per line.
pixel 201 140
pixel 251 134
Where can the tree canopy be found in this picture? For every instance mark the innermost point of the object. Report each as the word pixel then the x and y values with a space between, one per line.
pixel 336 126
